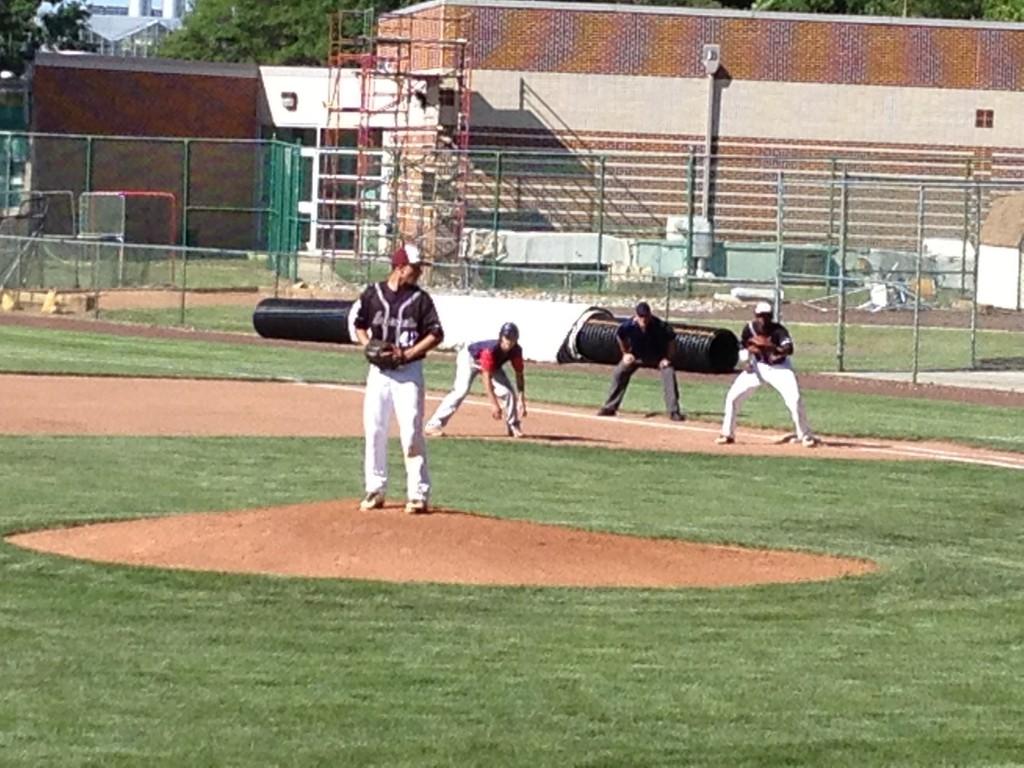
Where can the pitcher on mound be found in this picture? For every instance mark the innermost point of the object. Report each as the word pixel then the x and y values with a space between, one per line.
pixel 399 312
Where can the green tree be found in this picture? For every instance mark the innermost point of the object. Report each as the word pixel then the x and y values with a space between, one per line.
pixel 28 25
pixel 935 9
pixel 1004 10
pixel 260 32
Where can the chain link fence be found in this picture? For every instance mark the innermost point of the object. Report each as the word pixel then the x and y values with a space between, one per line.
pixel 229 194
pixel 851 244
pixel 96 276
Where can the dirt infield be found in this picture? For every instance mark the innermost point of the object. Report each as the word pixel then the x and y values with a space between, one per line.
pixel 335 540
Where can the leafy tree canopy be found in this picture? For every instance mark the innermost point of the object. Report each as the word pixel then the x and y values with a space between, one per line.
pixel 256 31
pixel 28 25
pixel 999 10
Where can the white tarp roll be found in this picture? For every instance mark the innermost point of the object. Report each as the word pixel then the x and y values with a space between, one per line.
pixel 544 326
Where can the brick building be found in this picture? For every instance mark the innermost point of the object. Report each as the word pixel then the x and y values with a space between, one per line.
pixel 812 95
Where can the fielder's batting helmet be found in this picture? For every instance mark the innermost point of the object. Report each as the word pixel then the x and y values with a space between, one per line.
pixel 510 331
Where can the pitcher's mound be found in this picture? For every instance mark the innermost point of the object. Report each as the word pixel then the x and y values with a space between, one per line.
pixel 336 540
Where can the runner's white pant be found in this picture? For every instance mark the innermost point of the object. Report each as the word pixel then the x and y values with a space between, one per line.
pixel 402 391
pixel 782 379
pixel 466 371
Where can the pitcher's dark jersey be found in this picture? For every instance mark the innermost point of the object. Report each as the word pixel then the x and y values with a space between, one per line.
pixel 402 317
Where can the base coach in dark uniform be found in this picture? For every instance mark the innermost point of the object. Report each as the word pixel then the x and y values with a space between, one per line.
pixel 644 340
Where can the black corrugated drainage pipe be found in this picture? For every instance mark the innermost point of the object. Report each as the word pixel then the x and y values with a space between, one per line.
pixel 698 349
pixel 303 320
pixel 592 338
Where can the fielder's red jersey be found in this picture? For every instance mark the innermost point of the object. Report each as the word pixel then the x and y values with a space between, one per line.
pixel 490 356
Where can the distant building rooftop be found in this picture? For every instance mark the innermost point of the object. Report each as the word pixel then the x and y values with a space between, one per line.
pixel 116 28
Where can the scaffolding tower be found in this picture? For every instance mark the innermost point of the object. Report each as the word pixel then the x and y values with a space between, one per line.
pixel 394 157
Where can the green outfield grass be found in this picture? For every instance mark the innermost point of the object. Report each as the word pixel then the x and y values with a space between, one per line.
pixel 205 318
pixel 867 348
pixel 151 267
pixel 832 413
pixel 915 665
pixel 891 348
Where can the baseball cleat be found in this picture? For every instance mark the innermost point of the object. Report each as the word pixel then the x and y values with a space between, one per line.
pixel 810 441
pixel 372 500
pixel 431 431
pixel 677 416
pixel 606 412
pixel 416 507
pixel 514 432
pixel 725 440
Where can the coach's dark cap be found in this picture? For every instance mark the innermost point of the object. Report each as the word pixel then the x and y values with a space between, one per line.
pixel 643 309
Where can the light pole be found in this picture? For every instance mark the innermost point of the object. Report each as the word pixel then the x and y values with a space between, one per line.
pixel 711 58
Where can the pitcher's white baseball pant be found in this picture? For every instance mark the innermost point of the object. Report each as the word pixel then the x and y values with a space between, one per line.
pixel 782 379
pixel 400 390
pixel 466 371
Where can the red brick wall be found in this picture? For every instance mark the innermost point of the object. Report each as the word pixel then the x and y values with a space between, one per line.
pixel 766 47
pixel 128 103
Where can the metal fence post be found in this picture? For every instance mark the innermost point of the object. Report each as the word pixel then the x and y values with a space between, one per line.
pixel 272 231
pixel 295 230
pixel 831 225
pixel 600 219
pixel 966 232
pixel 496 216
pixel 88 164
pixel 96 281
pixel 917 286
pixel 185 172
pixel 1020 276
pixel 780 250
pixel 7 170
pixel 974 275
pixel 184 285
pixel 183 237
pixel 668 298
pixel 690 165
pixel 841 307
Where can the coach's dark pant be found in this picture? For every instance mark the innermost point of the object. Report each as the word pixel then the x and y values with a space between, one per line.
pixel 620 381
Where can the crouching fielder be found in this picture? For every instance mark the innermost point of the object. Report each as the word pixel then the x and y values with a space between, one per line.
pixel 769 347
pixel 488 358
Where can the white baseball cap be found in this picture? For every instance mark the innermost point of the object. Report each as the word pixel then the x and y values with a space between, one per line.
pixel 763 308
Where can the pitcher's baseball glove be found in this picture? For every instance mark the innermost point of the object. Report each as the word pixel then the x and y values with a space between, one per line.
pixel 383 354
